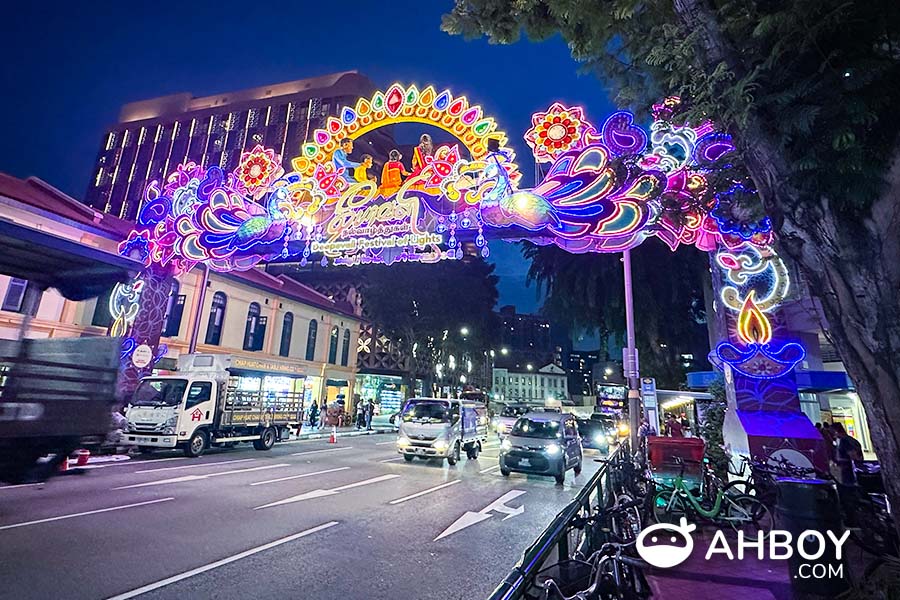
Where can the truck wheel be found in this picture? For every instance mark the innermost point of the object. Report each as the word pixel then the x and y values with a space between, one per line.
pixel 266 440
pixel 454 458
pixel 408 457
pixel 197 444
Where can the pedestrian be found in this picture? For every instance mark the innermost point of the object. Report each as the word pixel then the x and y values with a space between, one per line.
pixel 645 431
pixel 848 451
pixel 674 427
pixel 828 435
pixel 370 412
pixel 323 415
pixel 360 414
pixel 685 423
pixel 313 414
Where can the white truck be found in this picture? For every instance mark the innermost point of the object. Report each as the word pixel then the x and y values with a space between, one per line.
pixel 201 406
pixel 442 428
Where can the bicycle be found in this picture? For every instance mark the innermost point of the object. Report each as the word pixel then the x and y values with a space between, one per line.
pixel 620 523
pixel 614 575
pixel 743 513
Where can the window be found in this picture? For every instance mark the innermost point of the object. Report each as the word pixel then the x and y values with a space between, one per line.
pixel 332 346
pixel 311 340
pixel 251 335
pixel 174 311
pixel 287 328
pixel 345 348
pixel 102 316
pixel 216 318
pixel 15 296
pixel 199 392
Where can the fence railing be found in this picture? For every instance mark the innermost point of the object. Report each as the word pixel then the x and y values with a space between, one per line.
pixel 556 542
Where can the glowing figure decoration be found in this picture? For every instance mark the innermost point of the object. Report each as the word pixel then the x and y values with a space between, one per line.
pixel 124 303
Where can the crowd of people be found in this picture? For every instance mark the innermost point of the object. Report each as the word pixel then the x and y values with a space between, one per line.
pixel 323 415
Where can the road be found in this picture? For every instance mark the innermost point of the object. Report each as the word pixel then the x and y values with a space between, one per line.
pixel 308 519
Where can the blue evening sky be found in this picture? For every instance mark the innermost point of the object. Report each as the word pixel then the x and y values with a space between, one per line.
pixel 69 67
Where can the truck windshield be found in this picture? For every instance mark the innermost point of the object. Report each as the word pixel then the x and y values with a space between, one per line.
pixel 159 392
pixel 426 412
pixel 536 429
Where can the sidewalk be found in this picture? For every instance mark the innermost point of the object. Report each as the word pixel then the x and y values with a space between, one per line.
pixel 747 579
pixel 379 425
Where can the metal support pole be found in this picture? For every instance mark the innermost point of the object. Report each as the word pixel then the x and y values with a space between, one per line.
pixel 201 298
pixel 631 367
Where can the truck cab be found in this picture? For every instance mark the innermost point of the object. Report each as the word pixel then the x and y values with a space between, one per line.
pixel 441 428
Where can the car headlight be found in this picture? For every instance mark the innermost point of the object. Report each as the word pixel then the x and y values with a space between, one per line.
pixel 506 444
pixel 623 429
pixel 552 449
pixel 440 445
pixel 403 441
pixel 600 439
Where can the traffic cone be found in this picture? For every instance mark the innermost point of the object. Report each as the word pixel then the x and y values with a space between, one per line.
pixel 333 438
pixel 64 465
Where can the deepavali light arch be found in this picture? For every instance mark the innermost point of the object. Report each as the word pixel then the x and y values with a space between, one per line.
pixel 606 189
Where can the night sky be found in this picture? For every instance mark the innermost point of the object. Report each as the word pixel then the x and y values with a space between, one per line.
pixel 68 67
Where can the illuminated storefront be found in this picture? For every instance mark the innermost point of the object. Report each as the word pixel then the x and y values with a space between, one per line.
pixel 387 391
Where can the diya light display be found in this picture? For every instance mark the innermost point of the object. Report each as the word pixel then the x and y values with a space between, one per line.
pixel 605 189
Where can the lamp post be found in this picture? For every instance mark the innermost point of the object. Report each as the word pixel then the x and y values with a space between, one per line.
pixel 630 356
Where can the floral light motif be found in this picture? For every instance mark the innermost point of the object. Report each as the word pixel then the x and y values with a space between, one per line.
pixel 556 131
pixel 257 169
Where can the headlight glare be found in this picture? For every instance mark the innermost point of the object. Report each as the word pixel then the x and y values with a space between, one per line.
pixel 506 444
pixel 441 445
pixel 403 441
pixel 552 449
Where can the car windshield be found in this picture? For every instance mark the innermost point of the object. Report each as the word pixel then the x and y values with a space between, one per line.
pixel 426 412
pixel 159 392
pixel 534 428
pixel 586 427
pixel 514 411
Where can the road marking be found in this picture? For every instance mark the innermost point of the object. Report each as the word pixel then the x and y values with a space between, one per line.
pixel 385 443
pixel 325 450
pixel 20 485
pixel 302 475
pixel 470 518
pixel 82 514
pixel 185 478
pixel 423 492
pixel 489 469
pixel 220 563
pixel 209 464
pixel 387 460
pixel 331 492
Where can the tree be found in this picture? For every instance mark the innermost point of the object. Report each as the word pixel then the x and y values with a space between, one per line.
pixel 809 89
pixel 423 309
pixel 586 291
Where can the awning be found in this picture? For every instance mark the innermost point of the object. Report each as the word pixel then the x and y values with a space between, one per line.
pixel 778 424
pixel 46 260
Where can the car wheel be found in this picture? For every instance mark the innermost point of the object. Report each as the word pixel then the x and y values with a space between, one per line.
pixel 504 471
pixel 408 457
pixel 266 440
pixel 454 457
pixel 196 446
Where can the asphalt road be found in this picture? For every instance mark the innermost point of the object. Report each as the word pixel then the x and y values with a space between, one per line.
pixel 306 520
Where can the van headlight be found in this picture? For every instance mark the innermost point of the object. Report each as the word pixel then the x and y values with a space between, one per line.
pixel 506 445
pixel 440 445
pixel 403 441
pixel 552 449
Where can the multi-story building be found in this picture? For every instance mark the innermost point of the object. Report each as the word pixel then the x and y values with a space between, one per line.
pixel 524 340
pixel 545 385
pixel 284 334
pixel 580 367
pixel 153 136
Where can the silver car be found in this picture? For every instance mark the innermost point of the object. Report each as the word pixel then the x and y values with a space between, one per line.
pixel 543 443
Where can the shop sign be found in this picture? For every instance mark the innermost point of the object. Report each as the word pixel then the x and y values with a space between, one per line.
pixel 270 366
pixel 142 356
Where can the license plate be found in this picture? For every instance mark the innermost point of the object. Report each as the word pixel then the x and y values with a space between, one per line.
pixel 524 462
pixel 141 440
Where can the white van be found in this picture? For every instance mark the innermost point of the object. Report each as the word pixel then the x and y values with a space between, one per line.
pixel 441 428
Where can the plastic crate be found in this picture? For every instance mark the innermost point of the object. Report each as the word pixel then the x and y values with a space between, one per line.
pixel 664 451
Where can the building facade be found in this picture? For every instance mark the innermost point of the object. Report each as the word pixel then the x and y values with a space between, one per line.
pixel 524 340
pixel 281 333
pixel 580 367
pixel 155 136
pixel 546 385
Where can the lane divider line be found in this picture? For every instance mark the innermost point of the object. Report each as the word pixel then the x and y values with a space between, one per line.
pixel 325 450
pixel 208 464
pixel 387 460
pixel 385 443
pixel 302 475
pixel 489 469
pixel 423 492
pixel 185 478
pixel 83 514
pixel 220 563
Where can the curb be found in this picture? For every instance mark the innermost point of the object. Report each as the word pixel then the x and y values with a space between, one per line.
pixel 325 435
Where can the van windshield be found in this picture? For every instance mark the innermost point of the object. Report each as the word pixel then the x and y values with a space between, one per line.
pixel 514 411
pixel 426 412
pixel 535 429
pixel 159 392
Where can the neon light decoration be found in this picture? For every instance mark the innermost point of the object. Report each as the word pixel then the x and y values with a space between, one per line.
pixel 605 189
pixel 758 358
pixel 124 303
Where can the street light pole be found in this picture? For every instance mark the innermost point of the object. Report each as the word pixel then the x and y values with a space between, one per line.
pixel 630 357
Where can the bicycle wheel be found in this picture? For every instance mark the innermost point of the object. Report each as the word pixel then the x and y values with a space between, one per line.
pixel 669 509
pixel 740 487
pixel 626 524
pixel 748 515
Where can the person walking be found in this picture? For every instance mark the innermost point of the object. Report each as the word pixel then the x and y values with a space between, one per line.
pixel 323 414
pixel 847 452
pixel 829 437
pixel 674 427
pixel 313 414
pixel 370 412
pixel 360 414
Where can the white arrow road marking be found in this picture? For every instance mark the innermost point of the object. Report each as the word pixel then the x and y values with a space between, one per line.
pixel 184 478
pixel 387 460
pixel 325 450
pixel 301 476
pixel 470 518
pixel 82 514
pixel 194 466
pixel 220 563
pixel 423 492
pixel 331 492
